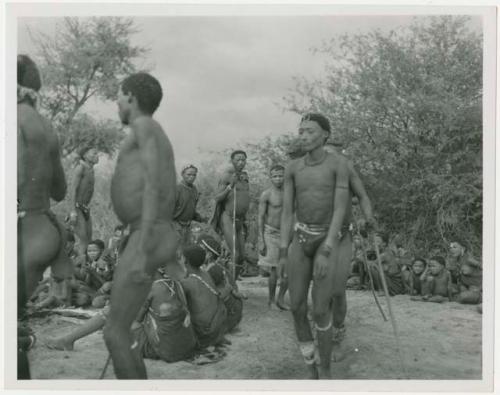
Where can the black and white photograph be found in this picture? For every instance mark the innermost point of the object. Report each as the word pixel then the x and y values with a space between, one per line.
pixel 251 194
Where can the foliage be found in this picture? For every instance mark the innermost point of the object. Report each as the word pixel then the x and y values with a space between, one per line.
pixel 407 105
pixel 86 58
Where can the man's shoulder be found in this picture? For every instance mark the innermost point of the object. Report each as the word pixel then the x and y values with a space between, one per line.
pixel 266 193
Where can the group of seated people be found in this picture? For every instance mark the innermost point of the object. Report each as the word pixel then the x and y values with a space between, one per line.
pixel 456 277
pixel 179 317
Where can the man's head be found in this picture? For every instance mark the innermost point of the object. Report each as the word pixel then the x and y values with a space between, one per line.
pixel 418 265
pixel 118 231
pixel 140 93
pixel 382 239
pixel 27 73
pixel 89 155
pixel 436 265
pixel 189 174
pixel 314 131
pixel 457 249
pixel 239 159
pixel 95 249
pixel 277 174
pixel 194 255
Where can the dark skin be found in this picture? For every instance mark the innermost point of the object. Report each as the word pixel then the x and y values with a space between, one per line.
pixel 437 283
pixel 84 190
pixel 315 193
pixel 40 178
pixel 234 179
pixel 143 196
pixel 202 303
pixel 270 206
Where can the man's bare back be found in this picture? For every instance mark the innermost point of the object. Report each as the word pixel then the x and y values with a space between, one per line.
pixel 85 188
pixel 128 185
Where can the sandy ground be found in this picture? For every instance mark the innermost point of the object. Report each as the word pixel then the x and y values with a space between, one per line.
pixel 439 341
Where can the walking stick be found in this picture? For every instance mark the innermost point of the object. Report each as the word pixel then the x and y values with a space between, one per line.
pixel 105 367
pixel 365 261
pixel 389 305
pixel 234 233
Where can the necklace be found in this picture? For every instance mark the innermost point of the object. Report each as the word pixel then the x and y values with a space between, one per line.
pixel 316 163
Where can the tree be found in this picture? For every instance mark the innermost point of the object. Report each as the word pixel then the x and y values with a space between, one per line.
pixel 407 105
pixel 86 58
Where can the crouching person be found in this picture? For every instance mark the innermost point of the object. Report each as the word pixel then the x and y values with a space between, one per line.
pixel 208 313
pixel 162 329
pixel 233 300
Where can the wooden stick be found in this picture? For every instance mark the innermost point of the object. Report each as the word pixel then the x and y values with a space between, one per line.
pixel 389 305
pixel 103 372
pixel 234 233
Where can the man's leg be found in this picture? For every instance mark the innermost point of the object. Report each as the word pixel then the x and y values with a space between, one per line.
pixel 66 342
pixel 227 232
pixel 280 302
pixel 131 284
pixel 271 282
pixel 81 232
pixel 240 251
pixel 88 228
pixel 299 278
pixel 340 276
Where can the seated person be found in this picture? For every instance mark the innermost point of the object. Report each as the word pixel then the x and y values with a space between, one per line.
pixel 208 313
pixel 457 256
pixel 162 330
pixel 92 272
pixel 392 271
pixel 436 282
pixel 412 278
pixel 470 284
pixel 231 297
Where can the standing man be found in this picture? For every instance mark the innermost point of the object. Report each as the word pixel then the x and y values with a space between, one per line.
pixel 84 190
pixel 270 207
pixel 234 180
pixel 41 239
pixel 316 192
pixel 143 196
pixel 187 197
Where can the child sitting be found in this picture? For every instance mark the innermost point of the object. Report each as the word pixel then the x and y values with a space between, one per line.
pixel 436 282
pixel 412 278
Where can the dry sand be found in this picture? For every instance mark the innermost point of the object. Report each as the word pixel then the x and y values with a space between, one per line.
pixel 439 341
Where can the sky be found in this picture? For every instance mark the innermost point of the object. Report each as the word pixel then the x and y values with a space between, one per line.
pixel 224 78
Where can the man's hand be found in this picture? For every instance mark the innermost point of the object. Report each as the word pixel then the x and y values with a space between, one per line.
pixel 262 248
pixel 233 180
pixel 73 216
pixel 321 266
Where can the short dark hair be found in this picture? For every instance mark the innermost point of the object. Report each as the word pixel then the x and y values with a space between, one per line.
pixel 419 259
pixel 27 73
pixel 321 120
pixel 99 243
pixel 119 227
pixel 194 254
pixel 238 151
pixel 146 89
pixel 276 168
pixel 439 259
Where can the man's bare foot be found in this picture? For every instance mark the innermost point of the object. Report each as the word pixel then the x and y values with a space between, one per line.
pixel 59 344
pixel 338 353
pixel 282 306
pixel 313 372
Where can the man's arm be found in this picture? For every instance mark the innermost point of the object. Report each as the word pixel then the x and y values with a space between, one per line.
pixel 225 185
pixel 287 212
pixel 58 187
pixel 341 201
pixel 261 218
pixel 78 178
pixel 149 157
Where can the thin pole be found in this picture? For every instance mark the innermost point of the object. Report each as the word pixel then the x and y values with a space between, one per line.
pixel 234 233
